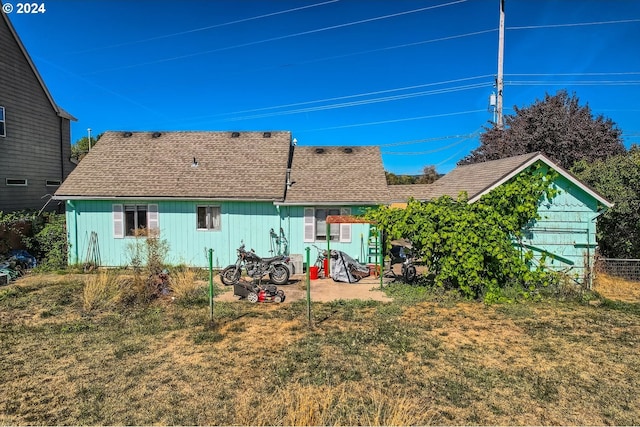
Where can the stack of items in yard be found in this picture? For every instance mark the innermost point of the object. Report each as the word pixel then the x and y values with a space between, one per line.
pixel 17 263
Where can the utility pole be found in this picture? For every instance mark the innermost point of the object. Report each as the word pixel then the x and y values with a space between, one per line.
pixel 500 79
pixel 89 136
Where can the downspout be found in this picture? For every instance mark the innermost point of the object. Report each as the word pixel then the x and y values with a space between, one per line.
pixel 75 233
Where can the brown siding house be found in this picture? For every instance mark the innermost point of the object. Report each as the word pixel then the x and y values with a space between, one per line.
pixel 35 134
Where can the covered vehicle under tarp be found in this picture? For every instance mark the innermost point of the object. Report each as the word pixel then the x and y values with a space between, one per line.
pixel 346 269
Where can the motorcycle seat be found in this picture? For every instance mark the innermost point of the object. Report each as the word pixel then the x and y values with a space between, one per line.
pixel 273 258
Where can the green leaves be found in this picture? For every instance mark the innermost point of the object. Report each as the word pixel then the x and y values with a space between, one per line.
pixel 469 247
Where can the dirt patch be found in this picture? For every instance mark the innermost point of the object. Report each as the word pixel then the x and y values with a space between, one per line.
pixel 322 290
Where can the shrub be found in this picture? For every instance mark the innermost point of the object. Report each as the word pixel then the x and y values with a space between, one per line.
pixel 185 284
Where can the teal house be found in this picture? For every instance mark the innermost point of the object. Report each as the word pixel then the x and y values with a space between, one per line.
pixel 565 233
pixel 216 190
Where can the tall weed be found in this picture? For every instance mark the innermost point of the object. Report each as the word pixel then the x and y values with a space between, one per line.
pixel 101 291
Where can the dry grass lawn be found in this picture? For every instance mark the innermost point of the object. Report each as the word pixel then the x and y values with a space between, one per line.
pixel 419 360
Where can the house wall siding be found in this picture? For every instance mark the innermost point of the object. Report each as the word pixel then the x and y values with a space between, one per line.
pixel 293 225
pixel 240 221
pixel 37 143
pixel 566 230
pixel 248 222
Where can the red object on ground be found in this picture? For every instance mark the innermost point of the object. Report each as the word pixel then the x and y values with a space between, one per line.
pixel 326 267
pixel 313 273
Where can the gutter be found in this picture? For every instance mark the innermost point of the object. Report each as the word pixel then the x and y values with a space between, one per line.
pixel 157 198
pixel 325 203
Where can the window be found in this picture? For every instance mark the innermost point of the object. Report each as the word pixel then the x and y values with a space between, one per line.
pixel 315 225
pixel 3 129
pixel 14 182
pixel 129 218
pixel 53 182
pixel 135 217
pixel 208 218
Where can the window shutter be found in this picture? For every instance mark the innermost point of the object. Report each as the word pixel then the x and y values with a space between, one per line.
pixel 152 217
pixel 345 229
pixel 309 225
pixel 118 221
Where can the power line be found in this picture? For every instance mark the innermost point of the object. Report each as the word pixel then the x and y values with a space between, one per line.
pixel 396 120
pixel 579 24
pixel 574 82
pixel 287 36
pixel 572 74
pixel 338 98
pixel 417 141
pixel 209 27
pixel 359 103
pixel 435 150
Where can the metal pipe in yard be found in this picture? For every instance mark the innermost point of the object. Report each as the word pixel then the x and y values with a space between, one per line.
pixel 380 250
pixel 327 273
pixel 211 283
pixel 308 250
pixel 381 256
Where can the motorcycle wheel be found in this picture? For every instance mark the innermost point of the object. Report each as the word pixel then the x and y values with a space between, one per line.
pixel 252 297
pixel 410 274
pixel 279 275
pixel 230 276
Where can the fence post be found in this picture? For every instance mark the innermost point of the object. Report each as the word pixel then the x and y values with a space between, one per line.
pixel 308 250
pixel 211 283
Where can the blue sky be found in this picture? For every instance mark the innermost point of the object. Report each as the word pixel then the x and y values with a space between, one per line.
pixel 413 77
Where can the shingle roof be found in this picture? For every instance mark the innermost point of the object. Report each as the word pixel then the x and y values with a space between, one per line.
pixel 247 167
pixel 402 192
pixel 477 178
pixel 347 175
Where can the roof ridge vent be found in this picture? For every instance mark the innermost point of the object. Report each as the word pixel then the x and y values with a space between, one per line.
pixel 235 134
pixel 320 151
pixel 348 150
pixel 156 135
pixel 266 134
pixel 127 134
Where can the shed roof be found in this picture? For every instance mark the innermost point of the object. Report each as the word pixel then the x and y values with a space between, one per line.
pixel 480 178
pixel 337 175
pixel 187 165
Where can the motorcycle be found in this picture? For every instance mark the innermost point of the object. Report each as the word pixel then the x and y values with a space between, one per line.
pixel 401 253
pixel 256 268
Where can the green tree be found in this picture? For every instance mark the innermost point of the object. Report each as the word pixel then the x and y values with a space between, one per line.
pixel 81 147
pixel 618 179
pixel 470 247
pixel 558 127
pixel 429 175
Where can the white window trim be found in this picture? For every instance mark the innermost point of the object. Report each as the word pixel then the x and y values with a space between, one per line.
pixel 24 182
pixel 208 217
pixel 52 183
pixel 309 225
pixel 119 231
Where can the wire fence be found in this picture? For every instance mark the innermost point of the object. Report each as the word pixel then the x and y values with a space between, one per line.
pixel 628 269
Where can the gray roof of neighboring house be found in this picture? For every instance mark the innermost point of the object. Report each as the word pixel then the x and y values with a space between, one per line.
pixel 402 192
pixel 139 165
pixel 337 175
